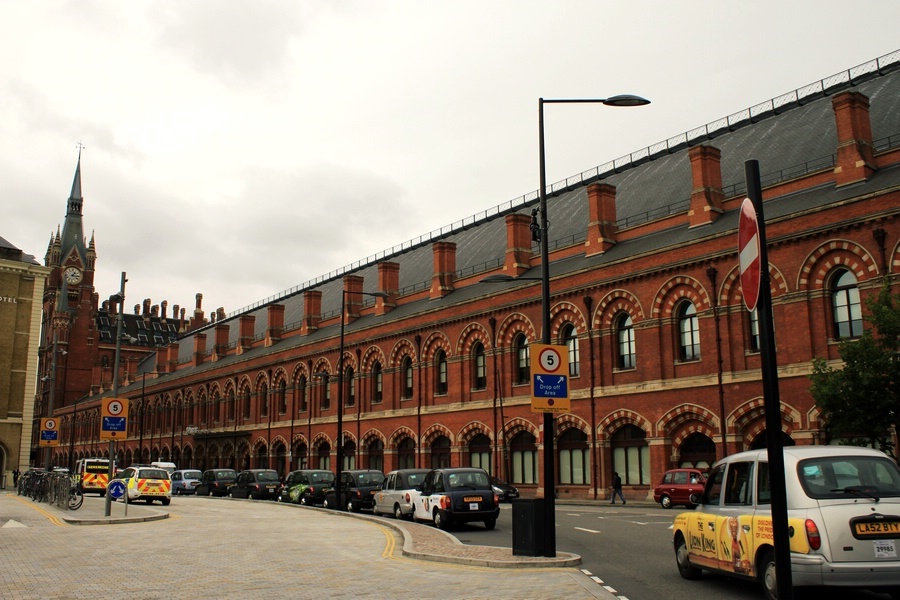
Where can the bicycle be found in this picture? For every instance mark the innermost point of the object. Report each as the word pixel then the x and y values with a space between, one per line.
pixel 76 497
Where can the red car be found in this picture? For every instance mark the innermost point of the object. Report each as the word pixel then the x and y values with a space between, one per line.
pixel 677 485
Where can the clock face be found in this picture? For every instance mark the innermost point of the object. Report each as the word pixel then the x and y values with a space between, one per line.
pixel 72 275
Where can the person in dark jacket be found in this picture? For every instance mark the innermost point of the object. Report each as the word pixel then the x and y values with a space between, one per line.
pixel 617 488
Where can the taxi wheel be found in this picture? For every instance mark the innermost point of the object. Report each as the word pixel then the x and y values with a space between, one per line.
pixel 166 501
pixel 303 500
pixel 685 568
pixel 398 512
pixel 351 507
pixel 766 570
pixel 439 521
pixel 490 524
pixel 665 502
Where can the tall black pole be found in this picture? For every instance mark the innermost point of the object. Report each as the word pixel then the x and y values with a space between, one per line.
pixel 549 419
pixel 340 407
pixel 772 400
pixel 115 388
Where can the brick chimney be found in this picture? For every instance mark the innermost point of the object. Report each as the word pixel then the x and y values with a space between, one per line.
pixel 172 357
pixel 353 285
pixel 601 233
pixel 245 340
pixel 221 347
pixel 197 319
pixel 389 283
pixel 855 161
pixel 163 307
pixel 162 358
pixel 518 244
pixel 444 269
pixel 312 311
pixel 706 194
pixel 275 326
pixel 199 348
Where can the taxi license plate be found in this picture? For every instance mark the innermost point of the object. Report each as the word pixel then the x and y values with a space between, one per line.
pixel 473 506
pixel 876 529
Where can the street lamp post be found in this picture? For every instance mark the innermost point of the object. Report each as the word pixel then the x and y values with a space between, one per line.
pixel 549 420
pixel 340 398
pixel 115 385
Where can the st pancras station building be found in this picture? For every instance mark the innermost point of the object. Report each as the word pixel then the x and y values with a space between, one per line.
pixel 420 356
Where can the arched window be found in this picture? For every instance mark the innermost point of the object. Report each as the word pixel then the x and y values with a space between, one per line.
pixel 230 403
pixel 753 327
pixel 406 454
pixel 349 455
pixel 631 455
pixel 350 384
pixel 845 306
pixel 325 400
pixel 246 403
pixel 522 373
pixel 479 367
pixel 569 337
pixel 574 458
pixel 688 332
pixel 406 370
pixel 440 453
pixel 440 373
pixel 697 450
pixel 626 355
pixel 377 383
pixel 523 455
pixel 302 394
pixel 263 400
pixel 480 452
pixel 323 456
pixel 282 397
pixel 376 455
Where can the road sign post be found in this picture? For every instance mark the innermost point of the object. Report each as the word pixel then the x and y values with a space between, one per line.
pixel 771 398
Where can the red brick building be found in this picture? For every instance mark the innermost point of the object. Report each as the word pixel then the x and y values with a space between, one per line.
pixel 664 359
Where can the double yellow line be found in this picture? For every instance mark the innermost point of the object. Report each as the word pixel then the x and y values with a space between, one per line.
pixel 36 506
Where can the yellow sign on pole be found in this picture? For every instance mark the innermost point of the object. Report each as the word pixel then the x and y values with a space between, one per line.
pixel 49 432
pixel 550 379
pixel 113 418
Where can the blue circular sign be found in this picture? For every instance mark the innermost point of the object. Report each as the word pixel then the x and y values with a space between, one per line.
pixel 116 488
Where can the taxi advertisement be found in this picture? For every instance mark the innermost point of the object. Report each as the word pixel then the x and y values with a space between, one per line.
pixel 729 542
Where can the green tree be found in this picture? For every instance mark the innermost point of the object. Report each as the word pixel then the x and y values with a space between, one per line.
pixel 860 402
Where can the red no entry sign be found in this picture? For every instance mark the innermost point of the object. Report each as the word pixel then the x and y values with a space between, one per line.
pixel 748 254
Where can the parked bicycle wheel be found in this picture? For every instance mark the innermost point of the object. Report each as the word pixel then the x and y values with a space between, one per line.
pixel 76 498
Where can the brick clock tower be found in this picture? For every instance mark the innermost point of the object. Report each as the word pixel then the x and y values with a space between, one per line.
pixel 68 345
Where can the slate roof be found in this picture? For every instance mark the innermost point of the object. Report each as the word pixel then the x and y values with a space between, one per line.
pixel 10 252
pixel 789 136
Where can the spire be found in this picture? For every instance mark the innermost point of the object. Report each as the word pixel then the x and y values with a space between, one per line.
pixel 72 234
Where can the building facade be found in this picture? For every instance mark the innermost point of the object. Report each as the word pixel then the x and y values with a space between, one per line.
pixel 664 360
pixel 21 288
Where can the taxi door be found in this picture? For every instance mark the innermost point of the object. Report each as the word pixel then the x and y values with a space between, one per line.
pixel 700 526
pixel 735 520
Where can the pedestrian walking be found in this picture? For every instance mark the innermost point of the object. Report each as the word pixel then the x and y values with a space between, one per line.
pixel 617 488
pixel 16 477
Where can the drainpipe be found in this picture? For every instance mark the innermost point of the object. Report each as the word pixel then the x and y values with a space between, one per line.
pixel 588 304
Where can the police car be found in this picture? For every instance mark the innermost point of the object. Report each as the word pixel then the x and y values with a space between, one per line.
pixel 843 519
pixel 147 484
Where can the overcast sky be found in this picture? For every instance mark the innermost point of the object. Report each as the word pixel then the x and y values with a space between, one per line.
pixel 239 148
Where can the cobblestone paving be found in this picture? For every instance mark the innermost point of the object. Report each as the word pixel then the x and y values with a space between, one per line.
pixel 219 548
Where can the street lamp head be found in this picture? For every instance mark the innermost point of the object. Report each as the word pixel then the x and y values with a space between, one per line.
pixel 626 100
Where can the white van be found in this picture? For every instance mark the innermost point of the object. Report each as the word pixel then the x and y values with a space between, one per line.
pixel 168 466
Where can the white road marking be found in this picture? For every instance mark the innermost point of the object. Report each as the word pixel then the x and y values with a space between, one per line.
pixel 587 530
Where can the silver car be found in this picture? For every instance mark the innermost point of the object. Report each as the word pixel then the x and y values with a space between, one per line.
pixel 843 509
pixel 397 494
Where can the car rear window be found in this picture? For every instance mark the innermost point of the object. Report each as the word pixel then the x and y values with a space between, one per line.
pixel 849 476
pixel 153 474
pixel 321 477
pixel 470 479
pixel 370 479
pixel 192 474
pixel 225 474
pixel 267 476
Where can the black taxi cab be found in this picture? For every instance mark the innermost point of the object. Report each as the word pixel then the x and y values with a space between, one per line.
pixel 456 495
pixel 843 520
pixel 147 484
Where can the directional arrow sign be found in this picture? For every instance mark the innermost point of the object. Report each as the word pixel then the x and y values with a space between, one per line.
pixel 549 378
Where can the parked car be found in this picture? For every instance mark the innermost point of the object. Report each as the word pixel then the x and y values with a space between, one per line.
pixel 185 481
pixel 306 486
pixel 843 508
pixel 397 494
pixel 147 484
pixel 504 491
pixel 215 482
pixel 458 495
pixel 677 486
pixel 357 490
pixel 259 484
